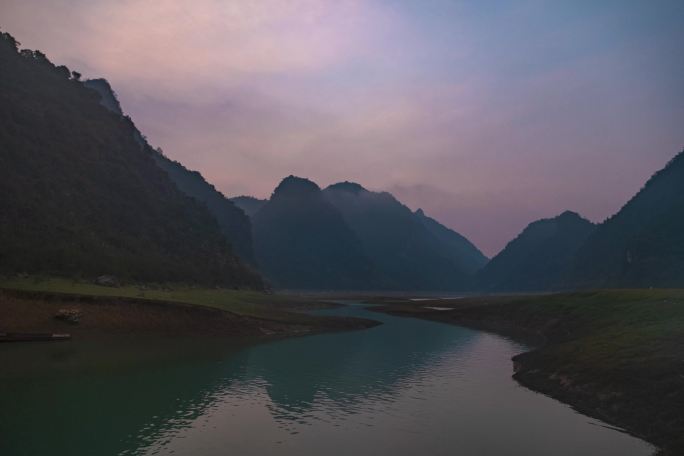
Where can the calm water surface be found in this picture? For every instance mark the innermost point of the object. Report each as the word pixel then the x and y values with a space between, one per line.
pixel 408 387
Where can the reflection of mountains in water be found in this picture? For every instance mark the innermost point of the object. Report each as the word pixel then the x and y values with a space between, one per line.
pixel 122 411
pixel 323 378
pixel 330 376
pixel 113 397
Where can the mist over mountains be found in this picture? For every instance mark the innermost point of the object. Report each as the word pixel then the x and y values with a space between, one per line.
pixel 409 254
pixel 640 246
pixel 346 237
pixel 83 193
pixel 248 204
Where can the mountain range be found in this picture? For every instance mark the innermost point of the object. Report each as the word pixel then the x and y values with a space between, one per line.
pixel 302 241
pixel 402 244
pixel 346 237
pixel 641 246
pixel 83 193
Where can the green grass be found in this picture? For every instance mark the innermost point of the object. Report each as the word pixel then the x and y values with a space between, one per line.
pixel 244 303
pixel 602 330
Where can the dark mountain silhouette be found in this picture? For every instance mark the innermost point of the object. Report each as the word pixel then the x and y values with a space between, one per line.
pixel 248 204
pixel 232 220
pixel 108 97
pixel 347 237
pixel 643 244
pixel 234 223
pixel 79 195
pixel 539 257
pixel 412 251
pixel 302 241
pixel 456 246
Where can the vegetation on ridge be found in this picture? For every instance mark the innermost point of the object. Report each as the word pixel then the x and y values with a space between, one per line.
pixel 234 224
pixel 539 257
pixel 643 244
pixel 79 195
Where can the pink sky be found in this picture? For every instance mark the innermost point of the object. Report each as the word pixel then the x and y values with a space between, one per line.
pixel 488 115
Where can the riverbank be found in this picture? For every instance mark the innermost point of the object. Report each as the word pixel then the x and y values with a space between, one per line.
pixel 616 355
pixel 34 306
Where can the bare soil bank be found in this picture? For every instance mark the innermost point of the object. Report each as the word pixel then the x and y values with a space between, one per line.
pixel 34 312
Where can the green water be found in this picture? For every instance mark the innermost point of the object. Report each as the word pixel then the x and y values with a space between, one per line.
pixel 408 387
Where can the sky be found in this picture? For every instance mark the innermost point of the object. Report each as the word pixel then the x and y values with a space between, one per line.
pixel 488 114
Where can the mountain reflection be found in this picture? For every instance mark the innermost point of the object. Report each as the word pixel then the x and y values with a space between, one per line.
pixel 121 397
pixel 336 371
pixel 403 388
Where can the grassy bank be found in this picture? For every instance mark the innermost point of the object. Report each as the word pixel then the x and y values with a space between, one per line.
pixel 30 305
pixel 617 355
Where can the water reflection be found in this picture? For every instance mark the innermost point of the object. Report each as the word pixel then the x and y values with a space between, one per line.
pixel 405 387
pixel 337 371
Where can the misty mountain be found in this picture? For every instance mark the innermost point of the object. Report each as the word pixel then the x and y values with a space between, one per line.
pixel 108 97
pixel 303 242
pixel 248 204
pixel 80 196
pixel 643 244
pixel 399 242
pixel 233 222
pixel 539 258
pixel 455 246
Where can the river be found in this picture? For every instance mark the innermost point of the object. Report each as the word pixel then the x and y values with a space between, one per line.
pixel 407 387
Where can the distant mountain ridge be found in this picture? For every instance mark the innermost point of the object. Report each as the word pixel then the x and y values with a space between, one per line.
pixel 412 252
pixel 539 257
pixel 456 246
pixel 346 237
pixel 302 242
pixel 641 246
pixel 248 204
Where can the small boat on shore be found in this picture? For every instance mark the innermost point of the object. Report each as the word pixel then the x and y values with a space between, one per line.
pixel 32 337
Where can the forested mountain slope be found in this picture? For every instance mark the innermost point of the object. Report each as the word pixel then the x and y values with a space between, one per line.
pixel 643 244
pixel 539 258
pixel 80 196
pixel 232 220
